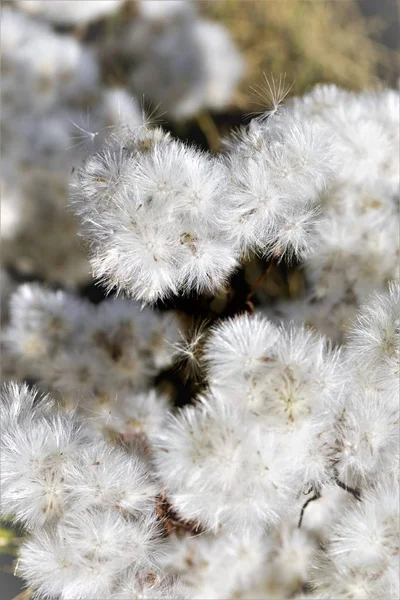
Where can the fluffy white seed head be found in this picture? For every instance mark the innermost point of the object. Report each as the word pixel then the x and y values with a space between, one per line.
pixel 107 477
pixel 223 471
pixel 150 210
pixel 361 560
pixel 34 460
pixel 279 168
pixel 374 344
pixel 283 376
pixel 366 439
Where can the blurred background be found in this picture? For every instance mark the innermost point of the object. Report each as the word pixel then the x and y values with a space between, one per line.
pixel 72 71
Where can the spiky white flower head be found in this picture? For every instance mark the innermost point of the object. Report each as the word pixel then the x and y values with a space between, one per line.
pixel 90 507
pixel 107 477
pixel 282 375
pixel 34 458
pixel 374 344
pixel 285 379
pixel 238 348
pixel 105 535
pixel 85 555
pixel 260 566
pixel 150 210
pixel 366 439
pixel 70 12
pixel 46 563
pixel 280 167
pixel 21 405
pixel 356 246
pixel 366 535
pixel 364 125
pixel 361 560
pixel 223 471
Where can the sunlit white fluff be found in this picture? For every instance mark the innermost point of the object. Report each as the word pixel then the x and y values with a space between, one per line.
pixel 361 560
pixel 22 405
pixel 374 344
pixel 280 167
pixel 221 471
pixel 201 562
pixel 107 477
pixel 90 508
pixel 150 208
pixel 283 376
pixel 356 241
pixel 366 439
pixel 34 459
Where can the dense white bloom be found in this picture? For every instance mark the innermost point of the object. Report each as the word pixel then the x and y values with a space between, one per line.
pixel 35 455
pixel 259 565
pixel 241 457
pixel 283 376
pixel 85 555
pixel 105 535
pixel 202 562
pixel 90 507
pixel 361 559
pixel 278 474
pixel 356 246
pixel 21 404
pixel 279 166
pixel 367 439
pixel 108 477
pixel 161 217
pixel 46 563
pixel 224 471
pixel 366 436
pixel 374 344
pixel 150 209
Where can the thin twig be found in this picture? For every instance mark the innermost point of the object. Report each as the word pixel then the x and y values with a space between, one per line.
pixel 257 284
pixel 306 503
pixel 25 595
pixel 347 488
